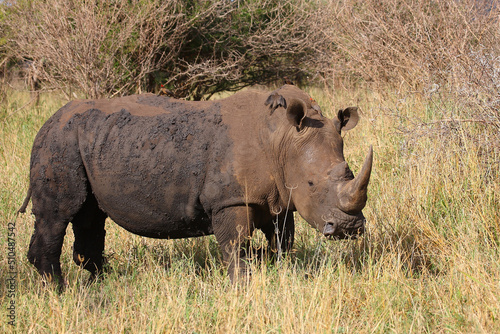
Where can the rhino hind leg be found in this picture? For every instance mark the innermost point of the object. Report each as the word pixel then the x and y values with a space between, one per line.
pixel 59 187
pixel 45 249
pixel 88 228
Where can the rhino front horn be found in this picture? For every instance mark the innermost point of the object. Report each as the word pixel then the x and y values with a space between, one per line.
pixel 352 197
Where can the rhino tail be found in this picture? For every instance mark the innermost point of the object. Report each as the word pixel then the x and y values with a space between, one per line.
pixel 22 209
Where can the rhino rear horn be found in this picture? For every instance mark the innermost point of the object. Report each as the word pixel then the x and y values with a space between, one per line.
pixel 352 197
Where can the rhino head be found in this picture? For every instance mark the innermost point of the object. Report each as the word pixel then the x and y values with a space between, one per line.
pixel 316 176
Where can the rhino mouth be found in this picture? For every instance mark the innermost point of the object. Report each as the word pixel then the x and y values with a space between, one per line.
pixel 339 225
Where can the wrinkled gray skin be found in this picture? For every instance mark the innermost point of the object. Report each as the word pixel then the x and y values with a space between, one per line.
pixel 166 168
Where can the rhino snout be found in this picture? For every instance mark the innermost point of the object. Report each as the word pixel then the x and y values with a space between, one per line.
pixel 343 226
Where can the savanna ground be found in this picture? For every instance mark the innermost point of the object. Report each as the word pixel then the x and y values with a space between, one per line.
pixel 429 261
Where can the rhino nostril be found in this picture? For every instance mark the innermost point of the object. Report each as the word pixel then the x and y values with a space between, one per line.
pixel 329 229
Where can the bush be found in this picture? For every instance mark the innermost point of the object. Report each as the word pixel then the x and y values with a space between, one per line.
pixel 195 48
pixel 446 52
pixel 100 48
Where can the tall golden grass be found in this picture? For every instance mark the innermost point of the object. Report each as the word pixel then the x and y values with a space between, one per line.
pixel 429 261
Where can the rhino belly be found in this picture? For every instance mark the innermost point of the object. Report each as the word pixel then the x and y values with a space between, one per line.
pixel 157 215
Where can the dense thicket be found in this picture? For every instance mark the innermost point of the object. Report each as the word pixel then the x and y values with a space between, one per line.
pixel 195 48
pixel 198 47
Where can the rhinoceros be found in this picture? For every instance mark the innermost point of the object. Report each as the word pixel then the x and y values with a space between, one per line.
pixel 166 168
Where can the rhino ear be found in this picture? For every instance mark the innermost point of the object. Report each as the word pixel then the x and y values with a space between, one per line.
pixel 347 119
pixel 274 101
pixel 295 113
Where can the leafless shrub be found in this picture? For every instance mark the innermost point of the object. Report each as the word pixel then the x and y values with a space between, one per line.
pixel 96 47
pixel 413 42
pixel 446 53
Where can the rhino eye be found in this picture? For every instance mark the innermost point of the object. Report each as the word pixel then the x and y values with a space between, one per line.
pixel 311 183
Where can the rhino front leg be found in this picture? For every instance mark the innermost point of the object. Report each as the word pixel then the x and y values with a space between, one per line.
pixel 233 228
pixel 88 227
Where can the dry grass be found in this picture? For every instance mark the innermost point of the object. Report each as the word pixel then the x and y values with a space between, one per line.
pixel 429 261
